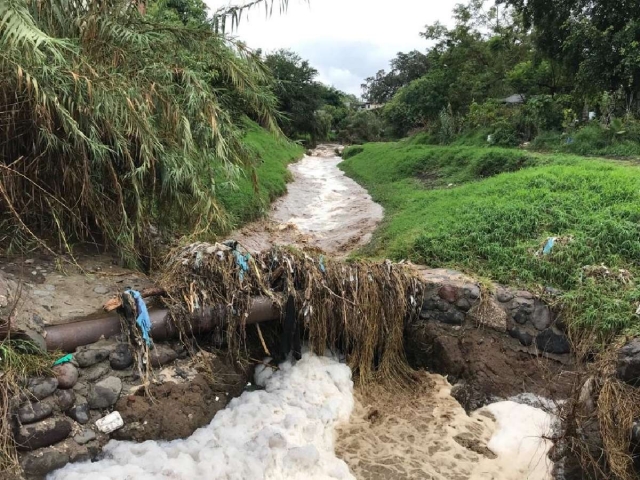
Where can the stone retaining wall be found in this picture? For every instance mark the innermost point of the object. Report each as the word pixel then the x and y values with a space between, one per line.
pixel 56 421
pixel 493 346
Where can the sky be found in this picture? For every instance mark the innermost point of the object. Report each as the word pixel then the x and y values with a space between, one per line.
pixel 345 40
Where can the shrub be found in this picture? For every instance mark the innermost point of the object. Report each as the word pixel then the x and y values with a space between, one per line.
pixel 352 151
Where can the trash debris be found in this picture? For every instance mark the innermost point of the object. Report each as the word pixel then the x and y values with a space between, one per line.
pixel 67 358
pixel 551 241
pixel 110 423
pixel 143 320
pixel 602 271
pixel 243 262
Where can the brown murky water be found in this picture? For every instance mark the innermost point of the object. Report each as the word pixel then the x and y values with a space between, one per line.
pixel 322 208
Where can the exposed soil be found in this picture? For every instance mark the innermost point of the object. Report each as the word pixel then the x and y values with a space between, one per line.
pixel 176 410
pixel 58 292
pixel 323 209
pixel 486 365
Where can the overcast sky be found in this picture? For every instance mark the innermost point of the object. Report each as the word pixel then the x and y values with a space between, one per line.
pixel 345 40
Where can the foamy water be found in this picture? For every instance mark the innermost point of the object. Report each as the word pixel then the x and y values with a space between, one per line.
pixel 308 424
pixel 285 431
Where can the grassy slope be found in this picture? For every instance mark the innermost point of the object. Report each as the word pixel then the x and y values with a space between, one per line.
pixel 493 224
pixel 244 203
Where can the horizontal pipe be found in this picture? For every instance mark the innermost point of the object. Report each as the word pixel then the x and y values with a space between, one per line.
pixel 69 336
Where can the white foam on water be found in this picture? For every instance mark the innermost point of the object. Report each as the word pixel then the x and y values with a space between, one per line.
pixel 519 439
pixel 286 431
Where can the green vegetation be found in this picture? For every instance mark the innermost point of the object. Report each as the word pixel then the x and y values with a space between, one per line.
pixel 247 200
pixel 115 119
pixel 489 211
pixel 567 71
pixel 309 110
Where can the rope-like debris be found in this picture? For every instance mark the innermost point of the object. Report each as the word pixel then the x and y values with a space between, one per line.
pixel 356 308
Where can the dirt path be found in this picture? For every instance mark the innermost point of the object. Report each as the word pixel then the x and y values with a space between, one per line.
pixel 323 209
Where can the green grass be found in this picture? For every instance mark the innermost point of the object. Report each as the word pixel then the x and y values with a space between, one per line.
pixel 591 141
pixel 504 205
pixel 242 201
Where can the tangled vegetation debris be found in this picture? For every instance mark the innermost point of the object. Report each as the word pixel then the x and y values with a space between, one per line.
pixel 356 308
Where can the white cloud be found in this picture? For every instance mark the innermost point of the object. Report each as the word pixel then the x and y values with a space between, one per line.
pixel 346 40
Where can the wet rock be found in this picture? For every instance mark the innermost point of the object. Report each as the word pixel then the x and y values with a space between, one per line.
pixel 450 317
pixel 85 436
pixel 552 342
pixel 635 432
pixel 81 388
pixel 121 358
pixel 522 304
pixel 39 464
pixel 105 393
pixel 42 434
pixel 101 290
pixel 448 293
pixel 65 399
pixel 463 304
pixel 80 413
pixel 161 355
pixel 94 372
pixel 521 317
pixel 491 315
pixel 524 294
pixel 67 375
pixel 503 295
pixel 628 367
pixel 42 387
pixel 472 291
pixel 523 337
pixel 433 304
pixel 33 412
pixel 87 358
pixel 541 316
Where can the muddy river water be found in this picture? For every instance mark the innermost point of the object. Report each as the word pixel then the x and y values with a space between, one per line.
pixel 310 422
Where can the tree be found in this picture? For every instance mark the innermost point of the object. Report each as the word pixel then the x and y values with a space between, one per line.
pixel 299 95
pixel 596 41
pixel 405 68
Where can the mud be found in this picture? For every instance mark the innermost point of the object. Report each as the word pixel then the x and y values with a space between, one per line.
pixel 486 365
pixel 54 291
pixel 426 434
pixel 179 406
pixel 323 209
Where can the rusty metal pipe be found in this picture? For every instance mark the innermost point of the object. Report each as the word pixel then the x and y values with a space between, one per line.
pixel 69 336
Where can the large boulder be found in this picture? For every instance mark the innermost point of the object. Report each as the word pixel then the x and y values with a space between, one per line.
pixel 42 387
pixel 39 464
pixel 121 357
pixel 161 355
pixel 42 434
pixel 80 413
pixel 32 412
pixel 67 375
pixel 628 367
pixel 105 393
pixel 551 341
pixel 86 358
